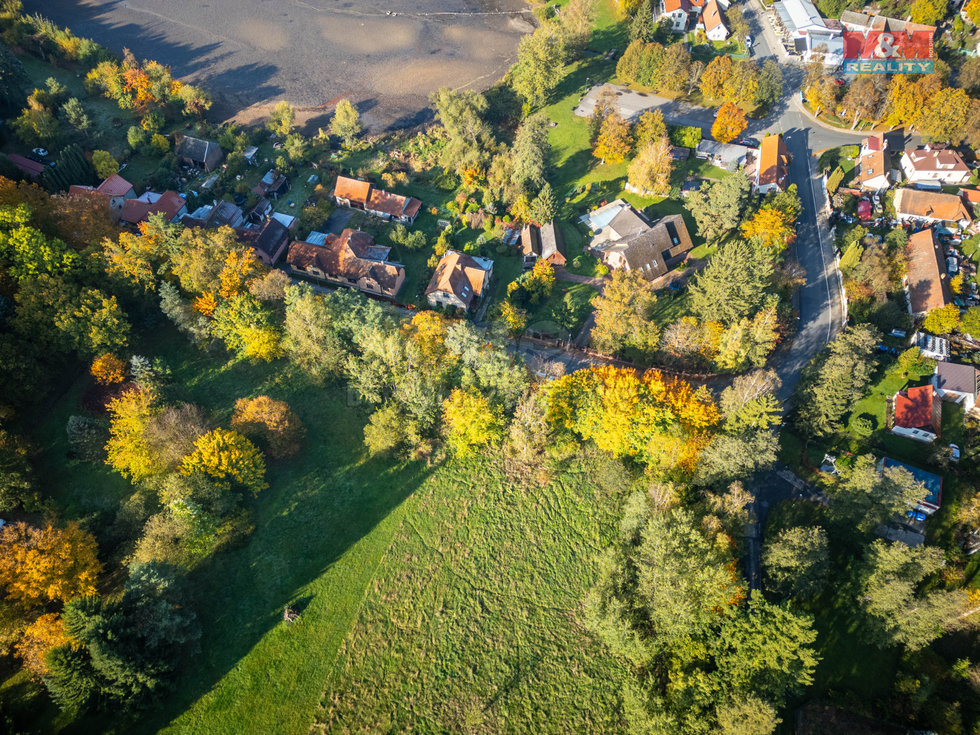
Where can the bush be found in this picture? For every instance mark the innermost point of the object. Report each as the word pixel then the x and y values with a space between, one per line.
pixel 685 136
pixel 105 165
pixel 87 438
pixel 863 426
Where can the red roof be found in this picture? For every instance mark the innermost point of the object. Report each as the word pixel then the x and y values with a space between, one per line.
pixel 115 186
pixel 29 167
pixel 169 203
pixel 913 410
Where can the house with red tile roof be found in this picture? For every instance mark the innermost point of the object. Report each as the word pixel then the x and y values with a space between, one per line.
pixel 170 204
pixel 459 280
pixel 712 23
pixel 936 165
pixel 926 280
pixel 915 205
pixel 358 194
pixel 916 413
pixel 26 165
pixel 351 259
pixel 773 171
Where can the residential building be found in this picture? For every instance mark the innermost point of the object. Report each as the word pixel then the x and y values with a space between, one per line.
pixel 362 195
pixel 272 185
pixel 545 242
pixel 219 214
pixel 351 259
pixel 269 240
pixel 935 165
pixel 114 189
pixel 933 484
pixel 170 204
pixel 199 153
pixel 971 197
pixel 874 166
pixel 931 347
pixel 957 383
pixel 852 20
pixel 712 23
pixel 916 413
pixel 678 13
pixel 811 36
pixel 773 170
pixel 459 280
pixel 930 207
pixel 728 156
pixel 630 243
pixel 926 280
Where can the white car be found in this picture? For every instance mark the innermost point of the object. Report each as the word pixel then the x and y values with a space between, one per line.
pixel 748 41
pixel 956 452
pixel 42 152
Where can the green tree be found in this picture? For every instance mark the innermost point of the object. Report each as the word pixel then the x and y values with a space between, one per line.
pixel 642 27
pixel 622 317
pixel 717 207
pixel 471 422
pixel 281 119
pixel 913 361
pixel 747 715
pixel 650 127
pixel 770 88
pixel 732 457
pixel 540 65
pixel 346 122
pixel 530 153
pixel 942 320
pixel 970 322
pixel 867 498
pixel 75 115
pixel 750 401
pixel 461 114
pixel 105 164
pixel 834 380
pixel 309 339
pixel 897 611
pixel 544 207
pixel 796 562
pixel 733 284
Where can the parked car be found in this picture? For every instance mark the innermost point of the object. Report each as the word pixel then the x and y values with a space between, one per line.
pixel 955 452
pixel 42 152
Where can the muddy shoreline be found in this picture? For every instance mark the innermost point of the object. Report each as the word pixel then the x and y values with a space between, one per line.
pixel 387 56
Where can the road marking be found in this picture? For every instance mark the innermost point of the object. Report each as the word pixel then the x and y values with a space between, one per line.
pixel 823 256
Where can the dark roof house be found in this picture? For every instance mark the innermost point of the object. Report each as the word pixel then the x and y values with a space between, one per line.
pixel 204 154
pixel 653 249
pixel 268 240
pixel 545 242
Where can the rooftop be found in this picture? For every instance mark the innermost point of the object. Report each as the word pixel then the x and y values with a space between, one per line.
pixel 928 284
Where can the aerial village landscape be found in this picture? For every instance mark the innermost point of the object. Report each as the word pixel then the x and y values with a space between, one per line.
pixel 584 366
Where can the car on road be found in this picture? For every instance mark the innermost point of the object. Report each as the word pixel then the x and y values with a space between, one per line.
pixel 748 41
pixel 748 142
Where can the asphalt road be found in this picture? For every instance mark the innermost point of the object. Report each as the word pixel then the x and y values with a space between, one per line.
pixel 251 53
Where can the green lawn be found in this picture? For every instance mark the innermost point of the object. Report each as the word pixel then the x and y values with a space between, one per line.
pixel 473 621
pixel 541 316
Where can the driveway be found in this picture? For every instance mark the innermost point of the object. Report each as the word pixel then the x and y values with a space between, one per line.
pixel 338 220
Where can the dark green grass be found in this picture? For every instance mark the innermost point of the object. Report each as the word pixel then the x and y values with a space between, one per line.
pixel 473 622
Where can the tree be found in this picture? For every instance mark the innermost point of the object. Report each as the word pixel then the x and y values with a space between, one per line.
pixel 732 457
pixel 715 77
pixel 913 361
pixel 970 322
pixel 16 474
pixel 942 320
pixel 471 422
pixel 972 10
pixel 747 716
pixel 577 18
pixel 281 119
pixel 470 136
pixel 867 498
pixel 108 369
pixel 540 65
pixel 271 422
pixel 642 27
pixel 717 207
pixel 346 122
pixel 39 565
pixel 750 401
pixel 898 612
pixel 770 89
pixel 834 380
pixel 651 169
pixel 227 456
pixel 105 164
pixel 530 153
pixel 615 140
pixel 246 326
pixel 822 95
pixel 128 450
pixel 944 117
pixel 742 86
pixel 905 100
pixel 733 284
pixel 309 339
pixel 864 100
pixel 796 562
pixel 170 433
pixel 46 632
pixel 650 127
pixel 770 227
pixel 544 207
pixel 514 319
pixel 729 123
pixel 929 12
pixel 622 316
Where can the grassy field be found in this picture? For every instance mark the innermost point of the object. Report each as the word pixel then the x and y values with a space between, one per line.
pixel 472 623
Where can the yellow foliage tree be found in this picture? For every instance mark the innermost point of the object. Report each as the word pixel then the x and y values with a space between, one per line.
pixel 108 369
pixel 427 330
pixel 271 422
pixel 471 422
pixel 715 75
pixel 227 456
pixel 45 633
pixel 39 565
pixel 128 451
pixel 729 123
pixel 615 140
pixel 770 226
pixel 240 267
pixel 206 303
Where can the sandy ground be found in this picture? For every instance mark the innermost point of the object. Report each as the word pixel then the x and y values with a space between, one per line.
pixel 252 53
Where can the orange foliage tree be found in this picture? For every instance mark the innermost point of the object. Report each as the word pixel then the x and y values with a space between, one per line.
pixel 729 123
pixel 108 369
pixel 40 565
pixel 270 422
pixel 45 633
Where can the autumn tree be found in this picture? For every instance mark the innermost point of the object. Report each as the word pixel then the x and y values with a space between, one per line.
pixel 577 18
pixel 651 169
pixel 108 369
pixel 715 77
pixel 622 316
pixel 141 258
pixel 39 565
pixel 309 339
pixel 944 117
pixel 281 119
pixel 105 164
pixel 742 86
pixel 128 451
pixel 46 632
pixel 271 423
pixel 615 139
pixel 942 320
pixel 471 422
pixel 729 123
pixel 346 122
pixel 247 328
pixel 770 227
pixel 650 127
pixel 928 12
pixel 864 100
pixel 227 456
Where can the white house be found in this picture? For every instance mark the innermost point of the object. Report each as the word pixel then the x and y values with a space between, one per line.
pixel 935 165
pixel 711 22
pixel 809 32
pixel 915 413
pixel 459 280
pixel 957 383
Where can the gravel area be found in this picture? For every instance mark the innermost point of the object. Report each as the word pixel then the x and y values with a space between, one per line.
pixel 384 55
